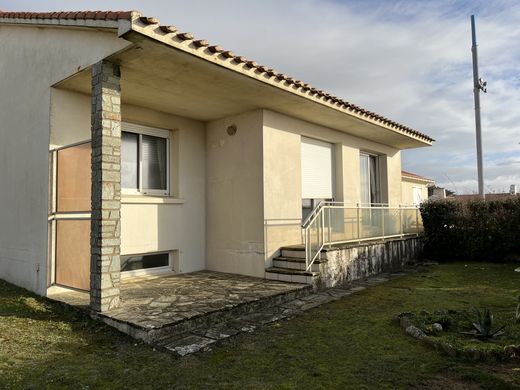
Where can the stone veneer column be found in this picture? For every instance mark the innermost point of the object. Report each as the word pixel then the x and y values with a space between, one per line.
pixel 106 187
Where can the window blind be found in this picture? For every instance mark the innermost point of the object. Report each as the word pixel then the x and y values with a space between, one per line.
pixel 317 169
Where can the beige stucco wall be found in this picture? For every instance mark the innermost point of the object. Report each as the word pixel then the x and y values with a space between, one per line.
pixel 282 174
pixel 407 186
pixel 234 204
pixel 151 226
pixel 32 60
pixel 393 177
pixel 231 187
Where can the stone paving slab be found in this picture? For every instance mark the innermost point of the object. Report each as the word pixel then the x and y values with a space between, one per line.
pixel 339 292
pixel 252 322
pixel 154 307
pixel 189 344
pixel 190 295
pixel 217 332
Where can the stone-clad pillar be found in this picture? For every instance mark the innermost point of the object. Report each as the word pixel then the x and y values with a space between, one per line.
pixel 106 187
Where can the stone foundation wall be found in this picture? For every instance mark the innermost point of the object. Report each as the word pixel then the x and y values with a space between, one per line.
pixel 358 261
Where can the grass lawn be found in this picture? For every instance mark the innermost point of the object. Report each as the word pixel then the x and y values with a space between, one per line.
pixel 350 343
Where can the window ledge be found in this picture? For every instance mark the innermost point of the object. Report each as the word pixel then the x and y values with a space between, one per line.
pixel 145 199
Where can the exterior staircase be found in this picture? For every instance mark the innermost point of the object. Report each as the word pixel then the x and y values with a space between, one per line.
pixel 290 266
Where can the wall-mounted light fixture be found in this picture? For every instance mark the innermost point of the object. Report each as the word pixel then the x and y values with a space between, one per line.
pixel 232 130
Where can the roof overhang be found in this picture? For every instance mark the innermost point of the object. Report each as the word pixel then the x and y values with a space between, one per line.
pixel 174 73
pixel 417 179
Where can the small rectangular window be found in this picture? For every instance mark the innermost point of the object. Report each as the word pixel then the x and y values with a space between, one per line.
pixel 143 262
pixel 145 160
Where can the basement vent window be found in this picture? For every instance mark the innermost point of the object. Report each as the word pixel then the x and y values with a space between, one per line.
pixel 145 262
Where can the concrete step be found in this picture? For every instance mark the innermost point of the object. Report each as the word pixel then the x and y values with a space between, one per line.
pixel 291 275
pixel 298 252
pixel 296 263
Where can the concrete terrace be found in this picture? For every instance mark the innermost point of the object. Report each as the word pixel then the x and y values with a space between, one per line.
pixel 153 308
pixel 191 312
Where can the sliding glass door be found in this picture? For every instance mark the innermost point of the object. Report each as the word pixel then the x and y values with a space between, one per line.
pixel 370 179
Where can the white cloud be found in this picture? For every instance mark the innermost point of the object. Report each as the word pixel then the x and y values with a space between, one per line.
pixel 408 60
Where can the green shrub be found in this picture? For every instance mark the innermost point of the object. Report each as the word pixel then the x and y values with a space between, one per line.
pixel 472 230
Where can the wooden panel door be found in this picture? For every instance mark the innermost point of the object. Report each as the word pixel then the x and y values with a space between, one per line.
pixel 73 253
pixel 74 179
pixel 73 205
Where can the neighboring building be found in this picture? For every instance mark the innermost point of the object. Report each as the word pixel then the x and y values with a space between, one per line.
pixel 437 193
pixel 414 188
pixel 127 148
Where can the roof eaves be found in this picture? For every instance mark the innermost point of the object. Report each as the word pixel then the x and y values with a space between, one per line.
pixel 413 176
pixel 126 21
pixel 185 41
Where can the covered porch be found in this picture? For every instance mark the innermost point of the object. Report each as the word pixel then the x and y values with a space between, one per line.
pixel 208 211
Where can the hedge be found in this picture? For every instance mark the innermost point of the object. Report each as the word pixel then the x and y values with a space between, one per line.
pixel 472 230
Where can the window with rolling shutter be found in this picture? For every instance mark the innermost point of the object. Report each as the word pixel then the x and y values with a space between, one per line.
pixel 145 160
pixel 317 169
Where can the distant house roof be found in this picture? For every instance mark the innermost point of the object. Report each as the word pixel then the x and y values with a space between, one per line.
pixel 470 197
pixel 413 176
pixel 109 19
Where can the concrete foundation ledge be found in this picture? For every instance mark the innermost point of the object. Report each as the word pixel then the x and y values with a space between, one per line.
pixel 354 261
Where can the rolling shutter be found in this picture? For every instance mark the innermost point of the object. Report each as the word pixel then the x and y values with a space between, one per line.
pixel 317 172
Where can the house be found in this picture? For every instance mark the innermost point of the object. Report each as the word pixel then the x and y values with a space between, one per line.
pixel 414 188
pixel 130 148
pixel 437 193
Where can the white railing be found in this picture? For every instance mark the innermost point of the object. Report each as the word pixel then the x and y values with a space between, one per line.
pixel 337 223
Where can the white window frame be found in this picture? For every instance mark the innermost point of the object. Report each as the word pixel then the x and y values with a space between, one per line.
pixel 150 271
pixel 378 176
pixel 419 188
pixel 141 130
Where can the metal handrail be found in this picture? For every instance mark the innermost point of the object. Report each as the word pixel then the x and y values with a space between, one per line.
pixel 318 222
pixel 313 214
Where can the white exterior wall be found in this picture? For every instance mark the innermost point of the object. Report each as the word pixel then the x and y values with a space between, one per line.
pixel 151 224
pixel 282 174
pixel 32 59
pixel 234 204
pixel 232 187
pixel 408 186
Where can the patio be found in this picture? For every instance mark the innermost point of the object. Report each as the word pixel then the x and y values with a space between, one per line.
pixel 153 308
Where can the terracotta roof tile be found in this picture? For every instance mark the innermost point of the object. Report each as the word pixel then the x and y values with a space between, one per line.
pixel 409 174
pixel 74 15
pixel 186 36
pixel 168 29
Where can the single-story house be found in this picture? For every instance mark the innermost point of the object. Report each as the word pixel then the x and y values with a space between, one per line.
pixel 130 148
pixel 414 188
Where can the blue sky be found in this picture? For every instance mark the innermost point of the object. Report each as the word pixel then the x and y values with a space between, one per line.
pixel 409 60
